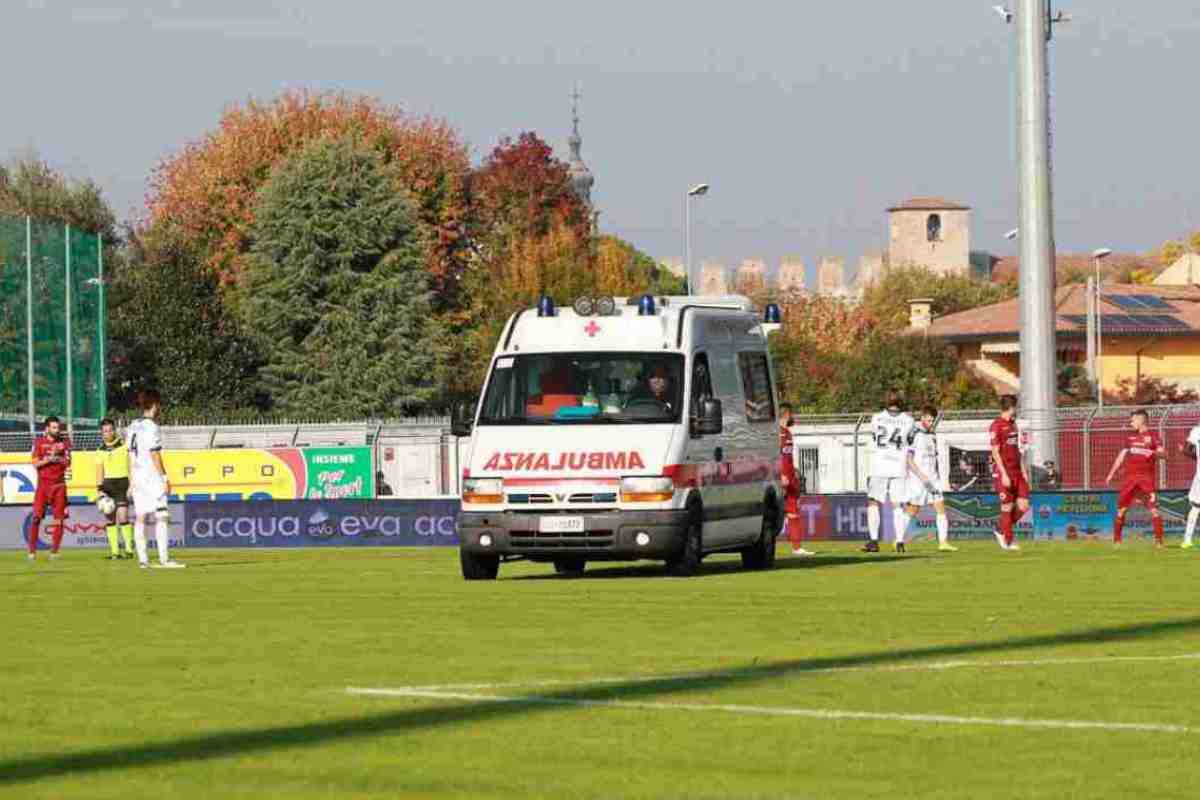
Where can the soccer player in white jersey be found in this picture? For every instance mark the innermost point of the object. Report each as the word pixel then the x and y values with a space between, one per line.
pixel 924 482
pixel 891 434
pixel 1190 448
pixel 148 482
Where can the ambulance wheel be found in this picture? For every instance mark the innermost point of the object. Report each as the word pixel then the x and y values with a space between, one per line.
pixel 686 562
pixel 569 567
pixel 761 554
pixel 479 568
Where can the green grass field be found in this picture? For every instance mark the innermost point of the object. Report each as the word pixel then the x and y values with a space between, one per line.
pixel 977 674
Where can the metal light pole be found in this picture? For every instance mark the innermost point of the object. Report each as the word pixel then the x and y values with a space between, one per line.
pixel 699 190
pixel 1038 351
pixel 1096 350
pixel 70 370
pixel 29 318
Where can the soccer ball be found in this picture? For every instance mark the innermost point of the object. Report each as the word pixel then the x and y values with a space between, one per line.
pixel 106 505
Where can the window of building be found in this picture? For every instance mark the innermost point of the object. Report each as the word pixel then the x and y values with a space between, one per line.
pixel 933 227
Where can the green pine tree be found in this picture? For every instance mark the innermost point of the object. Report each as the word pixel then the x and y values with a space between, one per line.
pixel 336 294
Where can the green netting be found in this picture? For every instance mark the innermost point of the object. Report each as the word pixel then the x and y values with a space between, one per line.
pixel 55 255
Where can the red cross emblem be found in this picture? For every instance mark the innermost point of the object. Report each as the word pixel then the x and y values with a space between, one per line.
pixel 591 329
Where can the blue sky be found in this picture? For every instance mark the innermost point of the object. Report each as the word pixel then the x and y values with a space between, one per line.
pixel 807 118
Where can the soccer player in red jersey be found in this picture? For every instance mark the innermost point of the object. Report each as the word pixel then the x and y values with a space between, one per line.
pixel 1140 457
pixel 51 458
pixel 790 482
pixel 1008 473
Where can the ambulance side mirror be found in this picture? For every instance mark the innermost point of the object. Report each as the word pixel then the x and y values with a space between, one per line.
pixel 711 419
pixel 463 420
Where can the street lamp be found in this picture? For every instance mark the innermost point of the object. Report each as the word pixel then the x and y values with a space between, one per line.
pixel 1097 256
pixel 699 190
pixel 1012 234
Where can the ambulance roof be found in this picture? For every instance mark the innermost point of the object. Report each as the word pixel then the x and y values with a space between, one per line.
pixel 625 329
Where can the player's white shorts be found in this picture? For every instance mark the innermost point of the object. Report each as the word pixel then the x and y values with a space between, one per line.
pixel 918 495
pixel 149 498
pixel 1194 494
pixel 883 489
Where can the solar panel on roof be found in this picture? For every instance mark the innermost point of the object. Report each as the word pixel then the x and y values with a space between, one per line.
pixel 1151 323
pixel 1135 302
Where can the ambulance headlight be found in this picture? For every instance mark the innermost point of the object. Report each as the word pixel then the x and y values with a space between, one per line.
pixel 483 490
pixel 647 490
pixel 485 540
pixel 605 306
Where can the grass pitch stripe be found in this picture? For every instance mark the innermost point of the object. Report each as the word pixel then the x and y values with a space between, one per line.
pixel 810 713
pixel 932 666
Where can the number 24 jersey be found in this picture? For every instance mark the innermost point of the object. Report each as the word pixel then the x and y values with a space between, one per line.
pixel 891 436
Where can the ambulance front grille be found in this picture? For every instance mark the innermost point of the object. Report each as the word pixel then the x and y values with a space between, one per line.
pixel 588 540
pixel 580 498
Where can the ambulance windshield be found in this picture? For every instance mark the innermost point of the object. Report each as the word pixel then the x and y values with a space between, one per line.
pixel 584 388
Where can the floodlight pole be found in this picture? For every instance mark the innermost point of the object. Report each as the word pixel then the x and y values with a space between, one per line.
pixel 1038 379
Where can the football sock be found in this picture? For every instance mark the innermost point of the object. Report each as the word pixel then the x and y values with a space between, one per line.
pixel 113 545
pixel 943 529
pixel 1118 523
pixel 1006 526
pixel 56 535
pixel 794 534
pixel 127 535
pixel 139 539
pixel 900 519
pixel 33 534
pixel 160 538
pixel 1193 513
pixel 872 521
pixel 1157 522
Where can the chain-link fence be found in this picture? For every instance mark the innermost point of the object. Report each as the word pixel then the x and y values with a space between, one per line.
pixel 51 322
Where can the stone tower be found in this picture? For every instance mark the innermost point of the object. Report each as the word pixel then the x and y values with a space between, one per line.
pixel 791 275
pixel 751 276
pixel 713 279
pixel 832 278
pixel 930 232
pixel 581 177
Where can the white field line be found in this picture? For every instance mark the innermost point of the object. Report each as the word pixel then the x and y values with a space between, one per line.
pixel 932 666
pixel 810 713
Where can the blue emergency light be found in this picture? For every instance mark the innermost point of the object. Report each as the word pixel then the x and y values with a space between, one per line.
pixel 646 306
pixel 545 306
pixel 772 314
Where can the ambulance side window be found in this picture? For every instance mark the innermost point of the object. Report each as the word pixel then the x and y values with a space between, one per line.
pixel 701 383
pixel 756 383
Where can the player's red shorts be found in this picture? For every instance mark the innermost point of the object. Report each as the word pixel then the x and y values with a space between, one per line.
pixel 54 495
pixel 1138 489
pixel 1010 494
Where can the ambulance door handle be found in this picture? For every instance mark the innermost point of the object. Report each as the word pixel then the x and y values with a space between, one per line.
pixel 718 455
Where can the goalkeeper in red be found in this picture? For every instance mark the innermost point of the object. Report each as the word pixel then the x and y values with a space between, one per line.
pixel 1142 451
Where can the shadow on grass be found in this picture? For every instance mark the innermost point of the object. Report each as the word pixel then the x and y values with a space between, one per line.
pixel 220 744
pixel 599 569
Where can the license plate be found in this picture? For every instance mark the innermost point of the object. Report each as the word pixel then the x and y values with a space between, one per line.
pixel 560 525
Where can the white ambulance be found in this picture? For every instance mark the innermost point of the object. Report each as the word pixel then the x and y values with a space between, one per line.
pixel 624 429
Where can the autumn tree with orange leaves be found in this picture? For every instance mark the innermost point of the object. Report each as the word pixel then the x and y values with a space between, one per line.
pixel 210 188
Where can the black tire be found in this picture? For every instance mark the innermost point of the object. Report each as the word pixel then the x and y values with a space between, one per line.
pixel 479 568
pixel 686 562
pixel 761 554
pixel 570 567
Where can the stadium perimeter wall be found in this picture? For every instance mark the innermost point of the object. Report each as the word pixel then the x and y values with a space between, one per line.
pixel 1053 516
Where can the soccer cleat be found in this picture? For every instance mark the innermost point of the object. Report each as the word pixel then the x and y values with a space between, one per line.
pixel 900 547
pixel 114 557
pixel 947 548
pixel 800 552
pixel 53 556
pixel 1013 546
pixel 871 546
pixel 169 565
pixel 1000 540
pixel 144 564
pixel 1186 546
pixel 32 556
